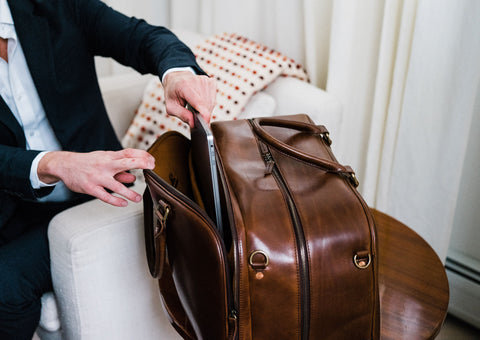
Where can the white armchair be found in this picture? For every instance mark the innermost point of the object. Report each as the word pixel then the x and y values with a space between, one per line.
pixel 102 286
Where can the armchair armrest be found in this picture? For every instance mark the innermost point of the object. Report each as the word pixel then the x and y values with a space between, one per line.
pixel 295 96
pixel 100 275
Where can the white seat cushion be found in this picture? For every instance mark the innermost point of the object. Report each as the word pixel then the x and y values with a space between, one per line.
pixel 100 275
pixel 49 319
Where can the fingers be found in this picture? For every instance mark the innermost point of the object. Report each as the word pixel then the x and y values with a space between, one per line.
pixel 102 194
pixel 184 87
pixel 174 109
pixel 119 162
pixel 129 159
pixel 124 160
pixel 96 172
pixel 123 191
pixel 204 101
pixel 100 191
pixel 125 177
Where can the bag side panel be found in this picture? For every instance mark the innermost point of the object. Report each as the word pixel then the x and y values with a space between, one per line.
pixel 193 284
pixel 337 224
pixel 335 228
pixel 268 299
pixel 197 261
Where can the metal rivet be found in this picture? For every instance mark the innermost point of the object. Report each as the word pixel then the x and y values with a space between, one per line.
pixel 259 275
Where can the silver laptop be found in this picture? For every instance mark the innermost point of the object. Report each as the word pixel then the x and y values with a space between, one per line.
pixel 205 167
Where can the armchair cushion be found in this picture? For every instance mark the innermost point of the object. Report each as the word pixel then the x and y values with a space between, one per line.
pixel 99 252
pixel 49 319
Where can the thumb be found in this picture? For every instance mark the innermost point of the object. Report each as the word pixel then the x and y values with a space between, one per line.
pixel 175 109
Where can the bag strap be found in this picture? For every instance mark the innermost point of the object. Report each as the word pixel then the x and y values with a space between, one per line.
pixel 325 164
pixel 155 218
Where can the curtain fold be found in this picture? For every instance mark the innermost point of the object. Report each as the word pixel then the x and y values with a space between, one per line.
pixel 317 22
pixel 438 107
pixel 352 71
pixel 407 73
pixel 394 55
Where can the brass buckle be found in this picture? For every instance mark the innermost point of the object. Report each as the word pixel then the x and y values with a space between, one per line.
pixel 258 265
pixel 161 219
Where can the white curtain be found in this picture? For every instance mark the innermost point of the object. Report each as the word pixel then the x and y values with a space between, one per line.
pixel 420 176
pixel 407 73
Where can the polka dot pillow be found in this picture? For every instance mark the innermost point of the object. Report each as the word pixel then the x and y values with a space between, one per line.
pixel 241 68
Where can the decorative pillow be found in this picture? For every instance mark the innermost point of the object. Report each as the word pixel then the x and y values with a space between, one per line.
pixel 241 67
pixel 151 119
pixel 260 105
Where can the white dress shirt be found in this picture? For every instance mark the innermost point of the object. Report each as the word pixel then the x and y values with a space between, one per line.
pixel 19 93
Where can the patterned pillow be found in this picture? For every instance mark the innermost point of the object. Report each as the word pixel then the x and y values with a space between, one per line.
pixel 241 67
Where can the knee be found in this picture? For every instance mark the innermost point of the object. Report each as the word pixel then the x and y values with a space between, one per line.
pixel 20 308
pixel 17 292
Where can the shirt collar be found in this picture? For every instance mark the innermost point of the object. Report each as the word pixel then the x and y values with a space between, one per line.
pixel 5 14
pixel 7 27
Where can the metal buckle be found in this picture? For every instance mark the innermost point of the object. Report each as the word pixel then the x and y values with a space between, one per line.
pixel 258 265
pixel 326 138
pixel 354 180
pixel 362 263
pixel 161 219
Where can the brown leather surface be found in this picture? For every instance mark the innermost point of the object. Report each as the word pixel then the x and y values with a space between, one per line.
pixel 336 224
pixel 296 224
pixel 196 254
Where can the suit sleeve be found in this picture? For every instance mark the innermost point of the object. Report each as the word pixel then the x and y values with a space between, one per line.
pixel 131 41
pixel 15 173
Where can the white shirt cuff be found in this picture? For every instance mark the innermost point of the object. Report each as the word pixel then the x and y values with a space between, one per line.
pixel 34 180
pixel 176 69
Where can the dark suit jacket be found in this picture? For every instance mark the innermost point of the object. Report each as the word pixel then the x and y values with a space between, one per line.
pixel 60 39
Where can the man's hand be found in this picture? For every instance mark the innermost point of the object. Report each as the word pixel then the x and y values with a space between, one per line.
pixel 92 173
pixel 183 87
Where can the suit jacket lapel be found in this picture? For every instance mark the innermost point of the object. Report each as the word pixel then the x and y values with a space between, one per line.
pixel 33 33
pixel 7 118
pixel 21 13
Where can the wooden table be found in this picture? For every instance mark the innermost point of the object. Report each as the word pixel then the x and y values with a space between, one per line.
pixel 412 281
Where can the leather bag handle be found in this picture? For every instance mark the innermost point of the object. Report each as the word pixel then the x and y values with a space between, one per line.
pixel 324 164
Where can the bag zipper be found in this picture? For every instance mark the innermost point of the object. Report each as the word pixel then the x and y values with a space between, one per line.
pixel 234 287
pixel 272 168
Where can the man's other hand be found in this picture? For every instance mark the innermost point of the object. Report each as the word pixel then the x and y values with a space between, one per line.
pixel 94 172
pixel 184 87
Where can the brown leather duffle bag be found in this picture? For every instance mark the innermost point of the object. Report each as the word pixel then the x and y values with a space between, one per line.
pixel 299 256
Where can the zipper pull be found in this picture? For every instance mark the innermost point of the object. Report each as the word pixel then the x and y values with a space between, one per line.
pixel 233 324
pixel 267 158
pixel 233 314
pixel 269 166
